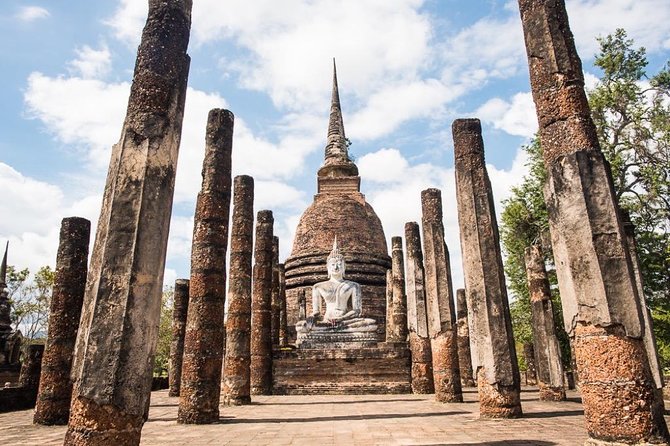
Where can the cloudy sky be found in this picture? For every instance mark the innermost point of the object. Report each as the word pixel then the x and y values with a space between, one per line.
pixel 406 68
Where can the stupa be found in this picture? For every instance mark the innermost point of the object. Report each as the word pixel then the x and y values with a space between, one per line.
pixel 340 350
pixel 339 210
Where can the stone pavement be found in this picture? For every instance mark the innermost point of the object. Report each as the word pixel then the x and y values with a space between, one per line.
pixel 341 419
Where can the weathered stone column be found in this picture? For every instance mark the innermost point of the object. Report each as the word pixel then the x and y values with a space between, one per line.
pixel 649 338
pixel 549 368
pixel 119 323
pixel 179 315
pixel 275 306
pixel 417 318
pixel 261 335
pixel 203 344
pixel 389 304
pixel 396 319
pixel 529 359
pixel 440 300
pixel 464 356
pixel 235 389
pixel 29 377
pixel 55 392
pixel 598 291
pixel 283 328
pixel 493 352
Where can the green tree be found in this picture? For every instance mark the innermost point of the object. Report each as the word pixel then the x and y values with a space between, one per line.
pixel 162 357
pixel 631 112
pixel 30 300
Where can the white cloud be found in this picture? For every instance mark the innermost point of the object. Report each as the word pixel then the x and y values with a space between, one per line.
pixel 91 63
pixel 36 210
pixel 516 117
pixel 400 202
pixel 32 13
pixel 128 20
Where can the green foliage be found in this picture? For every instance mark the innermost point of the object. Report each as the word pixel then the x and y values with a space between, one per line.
pixel 162 357
pixel 29 300
pixel 632 116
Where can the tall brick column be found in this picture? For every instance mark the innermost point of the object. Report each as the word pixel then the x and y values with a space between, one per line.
pixel 261 334
pixel 55 392
pixel 549 369
pixel 283 329
pixel 492 342
pixel 417 318
pixel 119 323
pixel 179 314
pixel 600 301
pixel 396 322
pixel 440 300
pixel 203 344
pixel 235 389
pixel 464 355
pixel 275 306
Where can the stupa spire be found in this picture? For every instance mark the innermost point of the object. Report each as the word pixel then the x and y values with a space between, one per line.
pixel 336 147
pixel 3 267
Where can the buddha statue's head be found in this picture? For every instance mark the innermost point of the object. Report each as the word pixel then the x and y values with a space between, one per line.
pixel 335 262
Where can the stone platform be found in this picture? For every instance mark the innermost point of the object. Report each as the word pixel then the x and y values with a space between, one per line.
pixel 372 370
pixel 341 419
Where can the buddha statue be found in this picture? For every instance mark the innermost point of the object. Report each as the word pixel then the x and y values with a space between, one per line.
pixel 343 304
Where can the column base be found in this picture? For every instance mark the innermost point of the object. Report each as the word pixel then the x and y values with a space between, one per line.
pixel 496 400
pixel 92 424
pixel 550 393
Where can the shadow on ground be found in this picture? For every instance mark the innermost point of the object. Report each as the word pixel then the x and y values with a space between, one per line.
pixel 499 443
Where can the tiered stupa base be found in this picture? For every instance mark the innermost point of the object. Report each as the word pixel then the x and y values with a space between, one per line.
pixel 382 369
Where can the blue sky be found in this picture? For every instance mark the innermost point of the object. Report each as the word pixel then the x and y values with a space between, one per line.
pixel 406 68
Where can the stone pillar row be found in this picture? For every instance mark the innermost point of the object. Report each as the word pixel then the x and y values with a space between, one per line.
pixel 599 294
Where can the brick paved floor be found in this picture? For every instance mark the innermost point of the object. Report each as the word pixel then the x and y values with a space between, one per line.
pixel 341 419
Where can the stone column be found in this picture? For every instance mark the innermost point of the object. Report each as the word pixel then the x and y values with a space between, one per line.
pixel 649 338
pixel 29 377
pixel 396 323
pixel 600 301
pixel 235 388
pixel 179 315
pixel 547 350
pixel 529 359
pixel 417 318
pixel 464 356
pixel 440 300
pixel 261 337
pixel 121 311
pixel 493 351
pixel 55 392
pixel 203 344
pixel 275 306
pixel 389 305
pixel 283 328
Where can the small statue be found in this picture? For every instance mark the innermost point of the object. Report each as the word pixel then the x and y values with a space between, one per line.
pixel 337 293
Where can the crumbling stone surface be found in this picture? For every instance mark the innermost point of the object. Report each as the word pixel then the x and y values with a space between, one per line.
pixel 261 338
pixel 463 331
pixel 492 341
pixel 613 372
pixel 440 300
pixel 204 340
pixel 547 350
pixel 179 315
pixel 275 306
pixel 601 306
pixel 497 400
pixel 119 323
pixel 67 298
pixel 235 389
pixel 417 318
pixel 104 425
pixel 396 330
